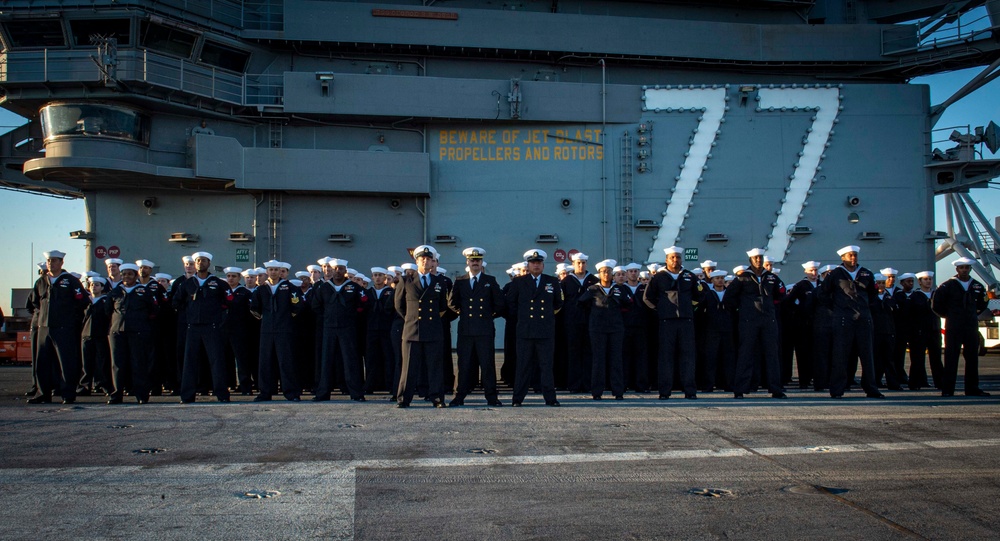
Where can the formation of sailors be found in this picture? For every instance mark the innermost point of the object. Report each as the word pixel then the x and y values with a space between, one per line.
pixel 331 328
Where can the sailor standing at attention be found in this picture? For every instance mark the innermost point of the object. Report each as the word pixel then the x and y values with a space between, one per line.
pixel 851 291
pixel 276 303
pixel 959 300
pixel 477 299
pixel 421 300
pixel 59 301
pixel 604 303
pixel 536 298
pixel 673 293
pixel 204 298
pixel 132 309
pixel 578 354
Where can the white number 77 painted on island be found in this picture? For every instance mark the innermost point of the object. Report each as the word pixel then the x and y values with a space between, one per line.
pixel 711 103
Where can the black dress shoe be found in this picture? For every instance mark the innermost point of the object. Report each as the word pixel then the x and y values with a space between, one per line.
pixel 221 399
pixel 262 398
pixel 779 396
pixel 320 398
pixel 738 395
pixel 554 404
pixel 456 402
pixel 837 396
pixel 359 399
pixel 875 394
pixel 515 404
pixel 402 405
pixel 598 397
pixel 142 400
pixel 977 392
pixel 947 395
pixel 619 397
pixel 115 400
pixel 83 391
pixel 664 396
pixel 895 388
pixel 495 403
pixel 69 401
pixel 31 392
pixel 438 403
pixel 293 399
pixel 40 400
pixel 691 396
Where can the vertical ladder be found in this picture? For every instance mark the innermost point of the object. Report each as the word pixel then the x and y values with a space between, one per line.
pixel 274 133
pixel 274 225
pixel 626 232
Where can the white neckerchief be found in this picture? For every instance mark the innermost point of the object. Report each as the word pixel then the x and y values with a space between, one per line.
pixel 966 284
pixel 97 298
pixel 129 289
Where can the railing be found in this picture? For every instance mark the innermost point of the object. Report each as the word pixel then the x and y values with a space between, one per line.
pixel 62 65
pixel 971 26
pixel 231 13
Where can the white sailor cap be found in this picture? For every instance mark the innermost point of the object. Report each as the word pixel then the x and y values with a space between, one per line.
pixel 379 270
pixel 90 274
pixel 889 271
pixel 163 276
pixel 579 256
pixel 54 254
pixel 129 266
pixel 617 269
pixel 925 274
pixel 394 269
pixel 351 272
pixel 848 249
pixel 260 271
pixel 206 255
pixel 775 271
pixel 717 273
pixel 699 272
pixel 653 267
pixel 963 261
pixel 609 263
pixel 739 269
pixel 296 283
pixel 113 261
pixel 424 250
pixel 643 274
pixel 537 254
pixel 314 268
pixel 879 277
pixel 324 260
pixel 97 279
pixel 41 265
pixel 907 276
pixel 708 263
pixel 826 268
pixel 334 262
pixel 272 264
pixel 187 259
pixel 442 270
pixel 673 250
pixel 730 277
pixel 811 265
pixel 248 273
pixel 302 274
pixel 474 252
pixel 768 259
pixel 408 266
pixel 232 270
pixel 755 252
pixel 76 275
pixel 519 265
pixel 511 271
pixel 633 266
pixel 144 263
pixel 561 267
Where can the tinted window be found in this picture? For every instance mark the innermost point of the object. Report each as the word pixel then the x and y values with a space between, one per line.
pixel 166 40
pixel 224 57
pixel 82 29
pixel 35 33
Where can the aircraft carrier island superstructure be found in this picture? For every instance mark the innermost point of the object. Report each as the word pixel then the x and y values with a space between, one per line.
pixel 301 128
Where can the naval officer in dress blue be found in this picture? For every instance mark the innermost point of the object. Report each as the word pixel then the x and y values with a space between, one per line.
pixel 422 299
pixel 477 299
pixel 536 298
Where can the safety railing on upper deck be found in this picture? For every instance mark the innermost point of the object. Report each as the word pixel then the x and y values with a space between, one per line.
pixel 971 26
pixel 62 65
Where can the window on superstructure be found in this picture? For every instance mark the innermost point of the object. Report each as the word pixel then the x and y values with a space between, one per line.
pixel 35 33
pixel 81 31
pixel 224 57
pixel 166 40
